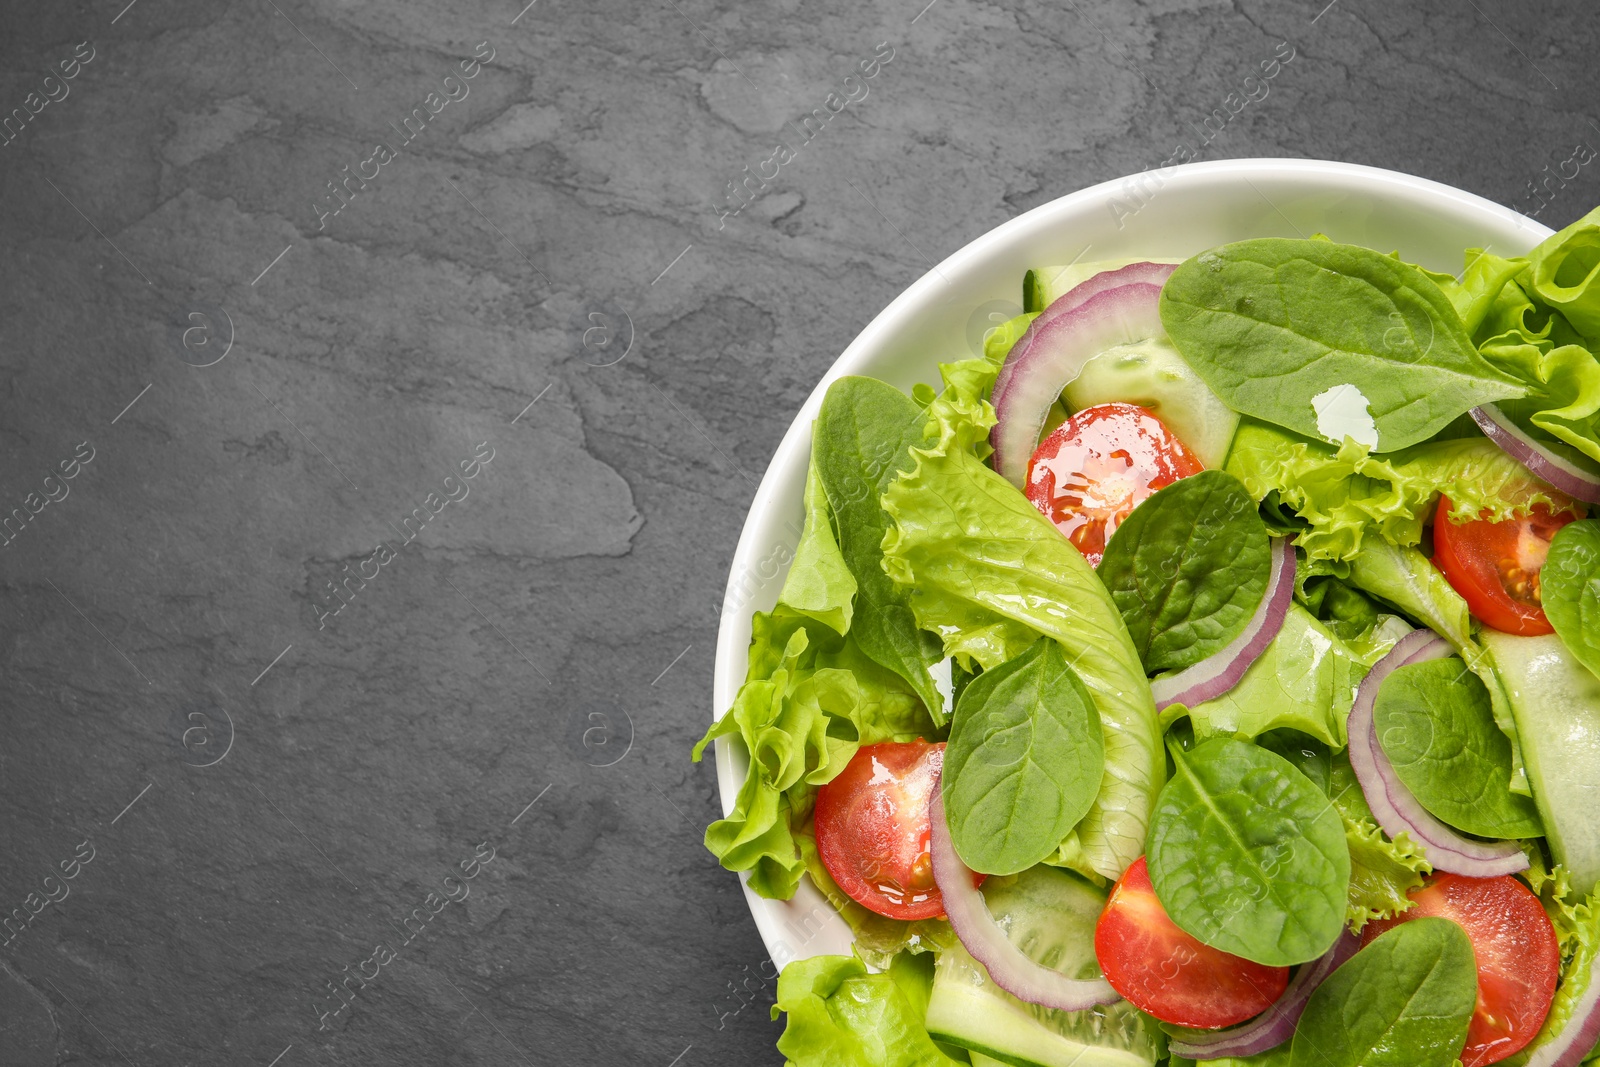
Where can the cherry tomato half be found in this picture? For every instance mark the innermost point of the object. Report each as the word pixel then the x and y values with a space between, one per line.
pixel 1518 957
pixel 1172 975
pixel 1495 565
pixel 1099 465
pixel 873 830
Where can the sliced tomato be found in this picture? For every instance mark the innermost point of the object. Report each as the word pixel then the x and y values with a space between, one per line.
pixel 1096 467
pixel 1518 957
pixel 1172 975
pixel 1495 565
pixel 873 830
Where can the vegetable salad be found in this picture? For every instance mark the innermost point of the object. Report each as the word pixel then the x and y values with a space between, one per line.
pixel 1208 673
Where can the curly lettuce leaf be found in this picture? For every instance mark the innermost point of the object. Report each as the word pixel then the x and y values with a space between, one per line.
pixel 1382 871
pixel 841 1016
pixel 809 701
pixel 1347 495
pixel 989 574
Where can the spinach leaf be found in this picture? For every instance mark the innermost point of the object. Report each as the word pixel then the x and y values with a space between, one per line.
pixel 1328 340
pixel 1024 762
pixel 1436 725
pixel 1403 1001
pixel 1305 753
pixel 862 441
pixel 1570 583
pixel 1248 855
pixel 819 584
pixel 1187 569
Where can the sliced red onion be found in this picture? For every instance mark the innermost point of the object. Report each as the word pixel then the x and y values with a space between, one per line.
pixel 984 939
pixel 1275 1025
pixel 1221 671
pixel 1394 806
pixel 1576 1039
pixel 1117 307
pixel 1541 461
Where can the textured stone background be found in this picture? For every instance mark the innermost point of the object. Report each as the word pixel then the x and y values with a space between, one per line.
pixel 561 616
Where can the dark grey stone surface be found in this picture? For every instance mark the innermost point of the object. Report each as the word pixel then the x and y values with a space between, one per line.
pixel 264 790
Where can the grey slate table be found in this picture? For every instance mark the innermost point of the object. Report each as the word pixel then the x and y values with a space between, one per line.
pixel 413 369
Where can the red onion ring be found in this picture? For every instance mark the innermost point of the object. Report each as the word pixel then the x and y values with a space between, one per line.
pixel 1221 671
pixel 1112 308
pixel 1543 463
pixel 987 943
pixel 1576 1039
pixel 1275 1025
pixel 1394 806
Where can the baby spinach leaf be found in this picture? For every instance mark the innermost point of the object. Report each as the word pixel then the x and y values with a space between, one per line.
pixel 1024 761
pixel 1436 725
pixel 1403 1001
pixel 1248 855
pixel 1570 582
pixel 862 441
pixel 1187 569
pixel 1328 340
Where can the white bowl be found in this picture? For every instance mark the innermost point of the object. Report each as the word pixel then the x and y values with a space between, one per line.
pixel 1169 214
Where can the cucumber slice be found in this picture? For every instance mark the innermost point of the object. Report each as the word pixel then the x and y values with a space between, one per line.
pixel 1153 375
pixel 1050 915
pixel 1556 703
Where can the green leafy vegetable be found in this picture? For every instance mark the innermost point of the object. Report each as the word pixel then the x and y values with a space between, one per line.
pixel 1305 680
pixel 1435 724
pixel 1570 582
pixel 1409 580
pixel 1187 569
pixel 863 437
pixel 1403 1001
pixel 1382 872
pixel 1290 331
pixel 1248 855
pixel 1024 762
pixel 1349 497
pixel 990 574
pixel 810 700
pixel 819 583
pixel 841 1016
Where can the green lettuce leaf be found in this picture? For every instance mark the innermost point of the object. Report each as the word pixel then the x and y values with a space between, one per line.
pixel 819 583
pixel 810 699
pixel 1382 871
pixel 1306 680
pixel 1347 495
pixel 841 1016
pixel 1537 319
pixel 989 574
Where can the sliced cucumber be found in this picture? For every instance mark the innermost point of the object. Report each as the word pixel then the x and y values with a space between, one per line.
pixel 1556 703
pixel 1153 375
pixel 1050 915
pixel 1051 283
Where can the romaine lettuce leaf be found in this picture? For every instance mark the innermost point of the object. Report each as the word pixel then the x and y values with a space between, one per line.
pixel 819 583
pixel 841 1016
pixel 1348 495
pixel 989 574
pixel 1306 680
